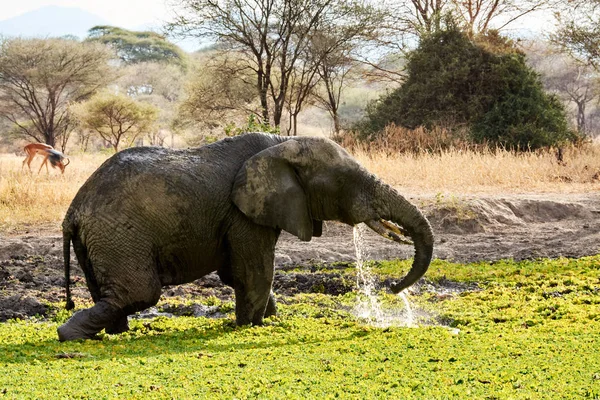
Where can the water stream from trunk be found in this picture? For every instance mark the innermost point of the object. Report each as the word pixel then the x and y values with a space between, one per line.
pixel 369 306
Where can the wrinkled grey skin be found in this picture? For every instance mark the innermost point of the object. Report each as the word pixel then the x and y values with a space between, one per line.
pixel 150 217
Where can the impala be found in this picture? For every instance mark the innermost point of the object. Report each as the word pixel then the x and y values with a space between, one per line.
pixel 48 153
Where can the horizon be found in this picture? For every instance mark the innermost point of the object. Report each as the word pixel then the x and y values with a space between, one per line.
pixel 129 15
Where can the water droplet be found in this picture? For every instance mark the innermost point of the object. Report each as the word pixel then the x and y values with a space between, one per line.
pixel 369 306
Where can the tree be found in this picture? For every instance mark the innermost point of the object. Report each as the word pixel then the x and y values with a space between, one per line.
pixel 157 84
pixel 137 47
pixel 478 16
pixel 115 117
pixel 270 37
pixel 219 92
pixel 570 79
pixel 333 70
pixel 485 85
pixel 39 78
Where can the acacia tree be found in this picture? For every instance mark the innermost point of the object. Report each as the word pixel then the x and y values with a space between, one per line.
pixel 333 70
pixel 157 84
pixel 270 38
pixel 579 31
pixel 571 79
pixel 219 85
pixel 115 117
pixel 478 16
pixel 39 78
pixel 133 47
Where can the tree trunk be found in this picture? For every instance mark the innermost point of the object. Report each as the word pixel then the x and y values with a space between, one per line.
pixel 336 122
pixel 581 116
pixel 49 137
pixel 262 92
pixel 295 126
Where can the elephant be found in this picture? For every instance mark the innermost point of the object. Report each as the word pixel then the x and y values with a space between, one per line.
pixel 150 217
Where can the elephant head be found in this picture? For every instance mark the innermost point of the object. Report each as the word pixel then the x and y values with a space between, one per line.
pixel 297 184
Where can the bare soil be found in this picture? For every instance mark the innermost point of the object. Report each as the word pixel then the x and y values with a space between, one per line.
pixel 467 229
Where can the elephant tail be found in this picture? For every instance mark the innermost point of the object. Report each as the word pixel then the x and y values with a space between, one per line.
pixel 67 260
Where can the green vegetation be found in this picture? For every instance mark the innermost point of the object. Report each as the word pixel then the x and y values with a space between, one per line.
pixel 528 330
pixel 40 78
pixel 116 118
pixel 483 84
pixel 138 47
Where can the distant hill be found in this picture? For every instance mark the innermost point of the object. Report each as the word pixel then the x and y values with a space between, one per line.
pixel 51 21
pixel 54 21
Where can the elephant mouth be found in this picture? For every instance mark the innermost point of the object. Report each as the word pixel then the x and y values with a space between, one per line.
pixel 389 230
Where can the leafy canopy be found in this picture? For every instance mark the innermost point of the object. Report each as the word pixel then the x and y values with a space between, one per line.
pixel 483 84
pixel 137 47
pixel 116 117
pixel 39 78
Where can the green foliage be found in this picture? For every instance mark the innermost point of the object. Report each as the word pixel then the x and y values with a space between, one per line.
pixel 39 78
pixel 252 125
pixel 138 47
pixel 116 117
pixel 523 116
pixel 527 330
pixel 484 84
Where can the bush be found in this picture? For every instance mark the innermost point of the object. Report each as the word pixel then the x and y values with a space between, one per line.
pixel 483 84
pixel 525 117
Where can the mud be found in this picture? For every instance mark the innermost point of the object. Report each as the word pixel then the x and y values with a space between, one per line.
pixel 466 230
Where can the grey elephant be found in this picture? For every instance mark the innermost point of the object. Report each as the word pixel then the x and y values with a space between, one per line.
pixel 150 217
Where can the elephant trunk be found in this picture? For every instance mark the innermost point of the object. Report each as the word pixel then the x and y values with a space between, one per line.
pixel 395 208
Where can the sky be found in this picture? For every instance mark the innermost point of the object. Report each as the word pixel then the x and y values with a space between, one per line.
pixel 128 14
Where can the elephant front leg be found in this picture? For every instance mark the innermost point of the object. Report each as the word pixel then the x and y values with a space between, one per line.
pixel 252 257
pixel 226 276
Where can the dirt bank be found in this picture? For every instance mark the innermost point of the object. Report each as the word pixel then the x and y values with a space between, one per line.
pixel 466 229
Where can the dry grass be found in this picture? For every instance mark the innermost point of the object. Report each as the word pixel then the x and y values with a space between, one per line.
pixel 32 202
pixel 489 171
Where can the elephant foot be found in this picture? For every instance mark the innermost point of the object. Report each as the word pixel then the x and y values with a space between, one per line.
pixel 85 324
pixel 73 330
pixel 122 325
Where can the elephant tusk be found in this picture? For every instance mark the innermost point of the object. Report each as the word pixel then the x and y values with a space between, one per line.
pixel 394 228
pixel 388 231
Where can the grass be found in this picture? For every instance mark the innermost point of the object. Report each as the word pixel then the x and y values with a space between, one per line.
pixel 489 171
pixel 531 331
pixel 30 200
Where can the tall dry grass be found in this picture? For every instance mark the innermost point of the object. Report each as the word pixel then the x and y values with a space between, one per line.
pixel 30 202
pixel 33 203
pixel 488 171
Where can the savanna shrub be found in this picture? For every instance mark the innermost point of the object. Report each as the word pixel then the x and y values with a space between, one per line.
pixel 483 84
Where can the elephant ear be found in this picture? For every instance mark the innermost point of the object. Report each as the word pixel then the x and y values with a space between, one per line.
pixel 268 191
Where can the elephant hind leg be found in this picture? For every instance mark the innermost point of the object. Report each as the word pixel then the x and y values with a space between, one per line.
pixel 118 296
pixel 85 324
pixel 119 326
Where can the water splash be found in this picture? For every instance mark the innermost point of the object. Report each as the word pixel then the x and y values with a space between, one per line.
pixel 369 306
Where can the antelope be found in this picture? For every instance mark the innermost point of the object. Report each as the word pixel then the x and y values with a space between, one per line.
pixel 48 153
